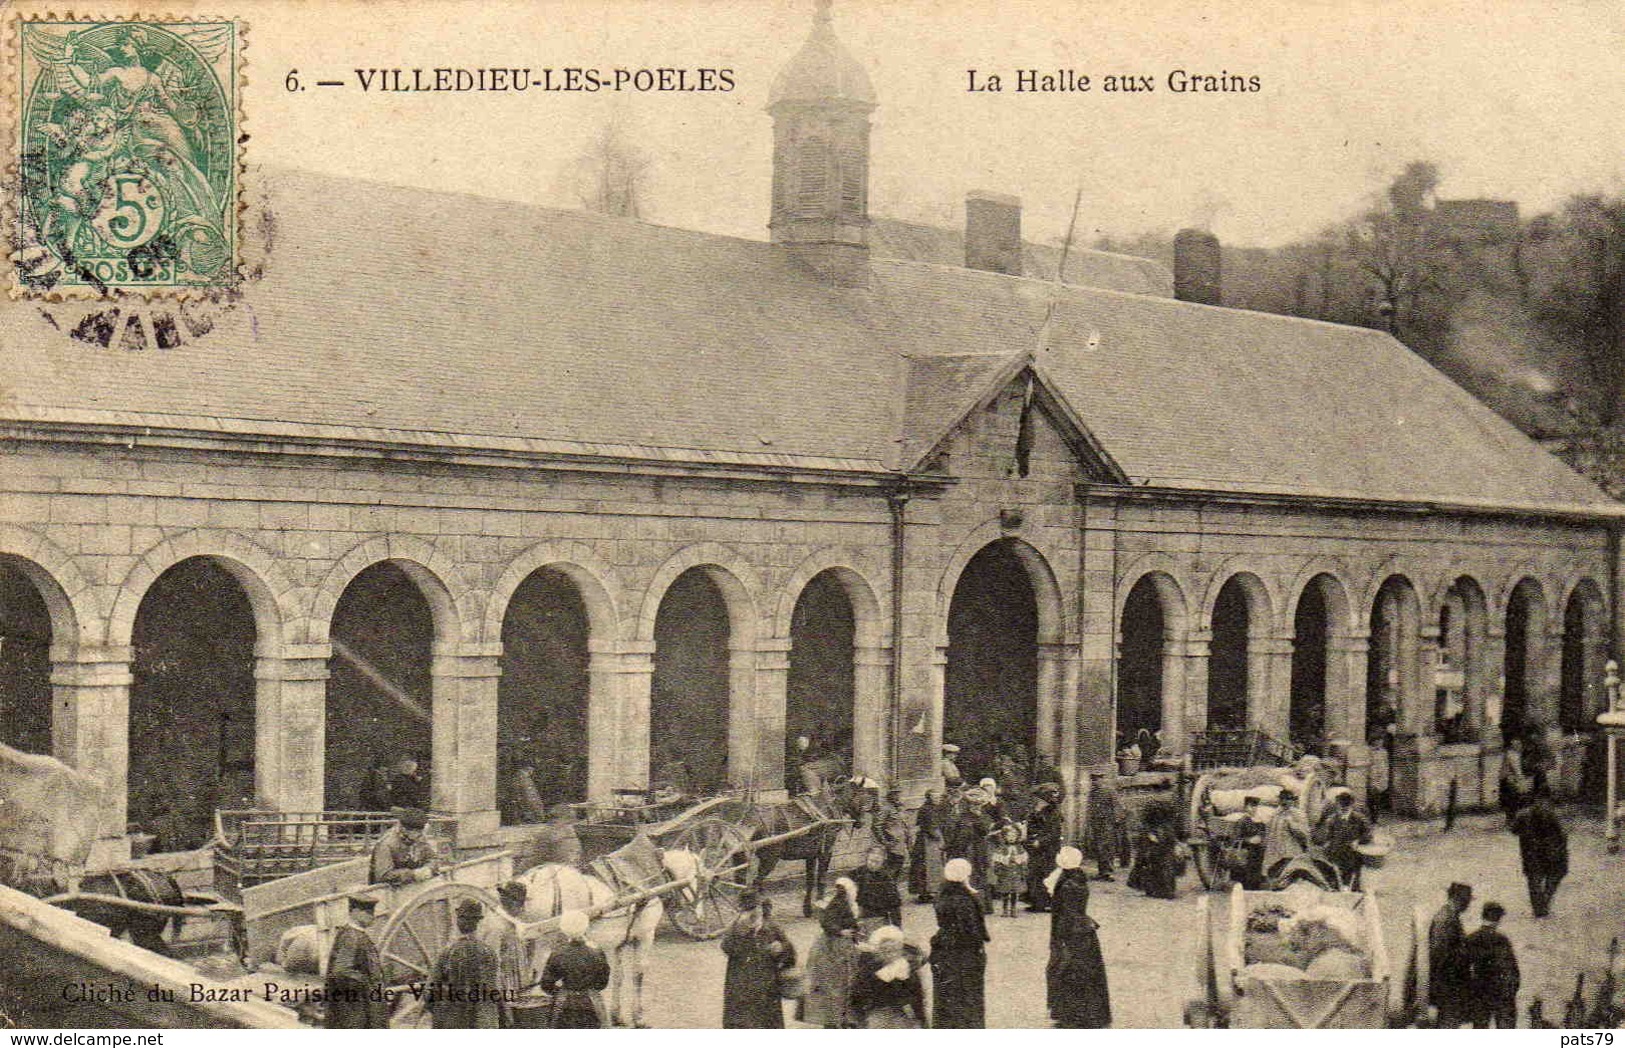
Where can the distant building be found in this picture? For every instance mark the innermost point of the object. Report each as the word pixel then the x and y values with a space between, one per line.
pixel 505 487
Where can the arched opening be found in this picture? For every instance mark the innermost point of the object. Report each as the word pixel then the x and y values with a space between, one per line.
pixel 689 701
pixel 1391 659
pixel 25 662
pixel 821 686
pixel 1140 661
pixel 192 703
pixel 1230 671
pixel 542 697
pixel 1311 635
pixel 990 700
pixel 1457 684
pixel 380 686
pixel 1581 660
pixel 1525 628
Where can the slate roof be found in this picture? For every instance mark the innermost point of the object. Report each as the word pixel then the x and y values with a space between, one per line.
pixel 917 242
pixel 404 316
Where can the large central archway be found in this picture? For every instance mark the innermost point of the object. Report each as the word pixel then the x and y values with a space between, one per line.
pixel 380 684
pixel 691 699
pixel 543 696
pixel 821 686
pixel 192 703
pixel 1237 671
pixel 990 696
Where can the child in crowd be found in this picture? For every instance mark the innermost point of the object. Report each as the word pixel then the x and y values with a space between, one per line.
pixel 1009 873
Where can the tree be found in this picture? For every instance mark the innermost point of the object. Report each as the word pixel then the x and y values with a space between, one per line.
pixel 1397 248
pixel 612 176
pixel 1578 293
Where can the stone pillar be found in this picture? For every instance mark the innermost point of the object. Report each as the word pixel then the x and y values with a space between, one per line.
pixel 603 719
pixel 871 713
pixel 1546 677
pixel 937 676
pixel 90 729
pixel 770 723
pixel 1345 687
pixel 1269 685
pixel 629 746
pixel 463 780
pixel 743 768
pixel 1052 660
pixel 1197 648
pixel 290 727
pixel 1173 694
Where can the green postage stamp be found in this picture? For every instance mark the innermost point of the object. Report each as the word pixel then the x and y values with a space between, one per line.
pixel 127 143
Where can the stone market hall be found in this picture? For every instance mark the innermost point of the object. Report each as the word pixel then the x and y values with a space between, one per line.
pixel 499 486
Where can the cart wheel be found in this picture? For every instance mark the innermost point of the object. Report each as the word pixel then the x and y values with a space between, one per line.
pixel 1208 867
pixel 725 867
pixel 421 927
pixel 1313 801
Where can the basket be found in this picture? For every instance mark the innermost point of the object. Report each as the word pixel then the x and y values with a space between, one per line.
pixel 1375 853
pixel 793 984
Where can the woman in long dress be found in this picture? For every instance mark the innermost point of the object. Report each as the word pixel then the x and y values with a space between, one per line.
pixel 832 961
pixel 887 993
pixel 1076 977
pixel 925 866
pixel 1156 863
pixel 958 952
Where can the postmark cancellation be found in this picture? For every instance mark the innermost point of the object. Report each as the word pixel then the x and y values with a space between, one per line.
pixel 126 155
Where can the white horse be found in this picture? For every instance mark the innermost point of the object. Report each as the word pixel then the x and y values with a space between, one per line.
pixel 626 935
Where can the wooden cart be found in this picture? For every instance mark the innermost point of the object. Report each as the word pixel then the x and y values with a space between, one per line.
pixel 1233 991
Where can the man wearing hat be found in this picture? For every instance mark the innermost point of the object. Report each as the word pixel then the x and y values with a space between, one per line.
pixel 464 991
pixel 948 768
pixel 757 952
pixel 404 855
pixel 575 975
pixel 1447 959
pixel 354 987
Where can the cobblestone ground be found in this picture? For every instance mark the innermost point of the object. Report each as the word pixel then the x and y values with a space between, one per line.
pixel 1151 945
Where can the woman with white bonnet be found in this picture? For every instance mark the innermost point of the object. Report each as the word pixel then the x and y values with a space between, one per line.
pixel 833 959
pixel 575 976
pixel 887 993
pixel 958 952
pixel 1076 976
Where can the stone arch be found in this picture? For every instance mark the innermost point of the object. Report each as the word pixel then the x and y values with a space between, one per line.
pixel 1462 650
pixel 270 592
pixel 597 581
pixel 1585 586
pixel 454 602
pixel 1381 571
pixel 1054 618
pixel 740 586
pixel 1339 595
pixel 76 613
pixel 1164 573
pixel 1583 651
pixel 1262 599
pixel 865 595
pixel 1526 572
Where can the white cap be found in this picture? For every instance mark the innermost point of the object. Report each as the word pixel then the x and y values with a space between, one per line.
pixel 574 923
pixel 1069 858
pixel 957 871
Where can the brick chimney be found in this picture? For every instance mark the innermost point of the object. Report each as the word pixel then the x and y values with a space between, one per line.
pixel 993 232
pixel 1198 269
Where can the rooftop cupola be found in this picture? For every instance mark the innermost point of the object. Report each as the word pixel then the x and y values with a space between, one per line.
pixel 820 105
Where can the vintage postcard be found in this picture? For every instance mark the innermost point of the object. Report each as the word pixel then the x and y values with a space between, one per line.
pixel 811 514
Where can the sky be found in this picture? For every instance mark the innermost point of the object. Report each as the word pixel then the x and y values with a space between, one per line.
pixel 1513 100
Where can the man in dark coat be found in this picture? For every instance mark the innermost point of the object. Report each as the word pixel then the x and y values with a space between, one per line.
pixel 970 842
pixel 958 953
pixel 878 899
pixel 1447 959
pixel 1101 830
pixel 891 832
pixel 354 987
pixel 1492 973
pixel 575 975
pixel 1078 996
pixel 464 990
pixel 404 855
pixel 411 787
pixel 1340 830
pixel 1544 848
pixel 925 861
pixel 1043 841
pixel 757 952
pixel 1156 858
